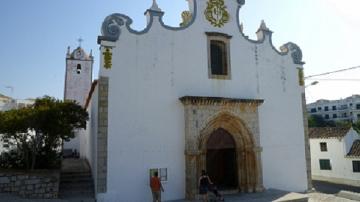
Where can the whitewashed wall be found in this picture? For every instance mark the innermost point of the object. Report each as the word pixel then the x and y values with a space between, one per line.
pixel 341 166
pixel 152 71
pixel 88 137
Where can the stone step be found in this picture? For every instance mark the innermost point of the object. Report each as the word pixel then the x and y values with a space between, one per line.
pixel 76 187
pixel 75 193
pixel 80 199
pixel 72 174
pixel 76 179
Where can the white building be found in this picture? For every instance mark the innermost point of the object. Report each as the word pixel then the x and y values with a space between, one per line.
pixel 5 102
pixel 78 78
pixel 200 96
pixel 335 155
pixel 8 103
pixel 347 109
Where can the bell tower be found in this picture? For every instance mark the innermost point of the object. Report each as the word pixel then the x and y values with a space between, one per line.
pixel 78 78
pixel 78 75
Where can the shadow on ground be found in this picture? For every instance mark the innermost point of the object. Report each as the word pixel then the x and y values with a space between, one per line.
pixel 332 188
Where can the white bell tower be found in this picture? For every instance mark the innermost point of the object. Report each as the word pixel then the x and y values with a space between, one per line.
pixel 78 78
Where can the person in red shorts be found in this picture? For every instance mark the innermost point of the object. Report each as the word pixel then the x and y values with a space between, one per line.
pixel 156 187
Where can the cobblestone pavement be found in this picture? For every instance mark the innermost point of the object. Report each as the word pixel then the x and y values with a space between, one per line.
pixel 332 188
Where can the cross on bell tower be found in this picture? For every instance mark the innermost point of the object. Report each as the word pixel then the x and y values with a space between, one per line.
pixel 80 40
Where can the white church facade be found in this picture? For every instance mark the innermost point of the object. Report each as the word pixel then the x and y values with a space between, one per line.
pixel 199 96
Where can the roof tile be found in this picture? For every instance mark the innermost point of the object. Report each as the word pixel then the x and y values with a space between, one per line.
pixel 355 149
pixel 328 132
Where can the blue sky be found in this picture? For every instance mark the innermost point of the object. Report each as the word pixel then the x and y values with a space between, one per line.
pixel 35 34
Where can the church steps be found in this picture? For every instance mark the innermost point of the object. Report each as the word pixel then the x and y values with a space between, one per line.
pixel 76 183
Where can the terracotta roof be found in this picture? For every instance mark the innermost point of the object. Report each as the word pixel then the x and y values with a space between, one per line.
pixel 328 132
pixel 93 85
pixel 355 149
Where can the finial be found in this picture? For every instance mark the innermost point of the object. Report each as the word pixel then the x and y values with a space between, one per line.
pixel 91 53
pixel 80 40
pixel 68 50
pixel 155 6
pixel 263 26
pixel 241 27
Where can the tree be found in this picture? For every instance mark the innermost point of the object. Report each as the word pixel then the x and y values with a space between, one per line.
pixel 319 121
pixel 37 132
pixel 356 126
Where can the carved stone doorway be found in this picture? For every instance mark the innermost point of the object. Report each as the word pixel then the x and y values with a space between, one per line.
pixel 217 131
pixel 221 160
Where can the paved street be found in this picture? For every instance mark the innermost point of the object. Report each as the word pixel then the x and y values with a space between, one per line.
pixel 268 195
pixel 332 188
pixel 328 190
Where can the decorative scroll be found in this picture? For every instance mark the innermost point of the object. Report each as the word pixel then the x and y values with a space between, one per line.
pixel 216 13
pixel 294 50
pixel 111 25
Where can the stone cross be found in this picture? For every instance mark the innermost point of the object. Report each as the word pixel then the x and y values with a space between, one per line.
pixel 80 40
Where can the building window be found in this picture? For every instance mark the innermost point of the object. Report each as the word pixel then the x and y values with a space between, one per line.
pixel 325 164
pixel 78 68
pixel 327 116
pixel 326 108
pixel 358 116
pixel 319 108
pixel 334 116
pixel 162 172
pixel 218 55
pixel 356 166
pixel 357 106
pixel 313 110
pixel 333 107
pixel 344 115
pixel 323 146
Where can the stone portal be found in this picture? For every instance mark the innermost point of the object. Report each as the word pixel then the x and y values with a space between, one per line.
pixel 222 136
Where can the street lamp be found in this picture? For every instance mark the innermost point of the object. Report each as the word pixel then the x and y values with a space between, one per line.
pixel 312 84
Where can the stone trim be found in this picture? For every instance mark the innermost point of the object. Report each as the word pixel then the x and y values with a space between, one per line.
pixel 218 34
pixel 199 100
pixel 102 136
pixel 240 118
pixel 307 143
pixel 226 40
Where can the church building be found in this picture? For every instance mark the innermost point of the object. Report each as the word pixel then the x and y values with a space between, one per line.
pixel 78 78
pixel 201 96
